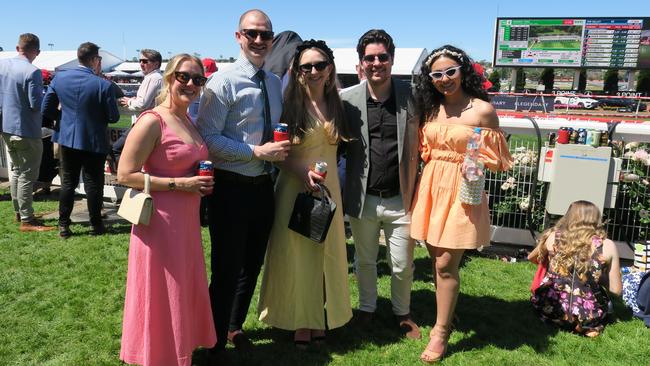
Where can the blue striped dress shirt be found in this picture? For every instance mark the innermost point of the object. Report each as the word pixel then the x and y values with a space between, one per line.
pixel 231 116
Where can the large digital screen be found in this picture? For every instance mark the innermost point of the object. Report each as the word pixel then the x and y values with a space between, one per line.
pixel 598 43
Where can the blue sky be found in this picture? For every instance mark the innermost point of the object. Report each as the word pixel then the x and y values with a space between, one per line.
pixel 207 27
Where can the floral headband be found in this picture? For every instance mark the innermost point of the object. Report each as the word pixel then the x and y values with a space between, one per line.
pixel 441 52
pixel 315 44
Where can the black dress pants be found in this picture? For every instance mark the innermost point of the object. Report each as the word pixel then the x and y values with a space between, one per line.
pixel 72 163
pixel 240 218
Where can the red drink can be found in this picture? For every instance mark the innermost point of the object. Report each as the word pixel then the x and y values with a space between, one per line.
pixel 563 135
pixel 206 168
pixel 320 168
pixel 281 132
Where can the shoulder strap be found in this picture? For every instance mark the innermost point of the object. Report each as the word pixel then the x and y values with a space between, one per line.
pixel 161 122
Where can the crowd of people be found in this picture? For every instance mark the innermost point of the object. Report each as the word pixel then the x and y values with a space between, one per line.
pixel 403 149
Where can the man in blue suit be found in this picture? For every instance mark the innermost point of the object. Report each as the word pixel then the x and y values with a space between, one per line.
pixel 21 94
pixel 88 105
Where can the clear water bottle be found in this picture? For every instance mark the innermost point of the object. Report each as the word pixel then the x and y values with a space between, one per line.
pixel 474 168
pixel 473 183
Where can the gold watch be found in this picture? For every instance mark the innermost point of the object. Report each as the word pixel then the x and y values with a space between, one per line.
pixel 172 184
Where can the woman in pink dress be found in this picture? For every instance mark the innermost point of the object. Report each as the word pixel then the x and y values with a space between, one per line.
pixel 167 307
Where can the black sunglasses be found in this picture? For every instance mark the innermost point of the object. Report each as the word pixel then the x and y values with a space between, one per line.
pixel 253 33
pixel 144 61
pixel 319 66
pixel 382 57
pixel 185 77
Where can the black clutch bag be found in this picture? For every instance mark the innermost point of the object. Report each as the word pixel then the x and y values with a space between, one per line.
pixel 312 214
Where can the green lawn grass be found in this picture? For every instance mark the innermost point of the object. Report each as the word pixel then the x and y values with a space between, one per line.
pixel 61 304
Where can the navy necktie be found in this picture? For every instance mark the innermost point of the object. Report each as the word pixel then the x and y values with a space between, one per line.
pixel 268 130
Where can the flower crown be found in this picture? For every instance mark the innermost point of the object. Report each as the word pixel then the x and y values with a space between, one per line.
pixel 321 45
pixel 441 52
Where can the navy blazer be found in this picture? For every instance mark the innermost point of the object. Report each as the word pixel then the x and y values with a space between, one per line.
pixel 88 105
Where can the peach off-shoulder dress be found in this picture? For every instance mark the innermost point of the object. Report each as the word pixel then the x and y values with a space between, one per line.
pixel 438 216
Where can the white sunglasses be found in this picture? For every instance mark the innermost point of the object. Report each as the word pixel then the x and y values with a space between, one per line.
pixel 450 72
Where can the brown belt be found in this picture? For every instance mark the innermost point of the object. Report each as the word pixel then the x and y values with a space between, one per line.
pixel 383 193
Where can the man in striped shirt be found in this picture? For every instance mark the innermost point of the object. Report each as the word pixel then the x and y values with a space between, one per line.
pixel 237 112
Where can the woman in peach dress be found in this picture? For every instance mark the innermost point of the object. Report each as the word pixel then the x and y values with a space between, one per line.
pixel 451 103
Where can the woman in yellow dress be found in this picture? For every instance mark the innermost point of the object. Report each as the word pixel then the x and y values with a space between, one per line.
pixel 451 104
pixel 303 279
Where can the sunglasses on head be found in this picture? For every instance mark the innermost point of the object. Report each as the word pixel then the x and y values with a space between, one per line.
pixel 144 61
pixel 252 34
pixel 319 66
pixel 450 72
pixel 382 57
pixel 185 77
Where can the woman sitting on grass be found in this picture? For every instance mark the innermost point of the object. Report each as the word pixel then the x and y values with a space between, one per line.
pixel 581 261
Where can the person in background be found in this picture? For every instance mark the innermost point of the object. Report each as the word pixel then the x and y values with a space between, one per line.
pixel 280 58
pixel 145 98
pixel 167 311
pixel 381 168
pixel 48 168
pixel 301 278
pixel 581 263
pixel 88 105
pixel 238 110
pixel 450 104
pixel 210 67
pixel 21 95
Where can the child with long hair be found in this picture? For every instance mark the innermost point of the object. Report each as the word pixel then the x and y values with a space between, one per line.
pixel 582 262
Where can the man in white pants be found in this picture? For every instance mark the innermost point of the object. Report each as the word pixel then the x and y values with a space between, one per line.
pixel 380 174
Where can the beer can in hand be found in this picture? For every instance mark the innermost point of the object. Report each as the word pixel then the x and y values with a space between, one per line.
pixel 320 168
pixel 281 132
pixel 206 169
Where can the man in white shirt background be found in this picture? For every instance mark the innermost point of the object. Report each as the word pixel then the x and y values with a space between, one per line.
pixel 150 61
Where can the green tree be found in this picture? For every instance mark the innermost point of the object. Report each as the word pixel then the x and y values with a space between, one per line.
pixel 610 85
pixel 495 79
pixel 547 78
pixel 582 80
pixel 643 82
pixel 521 80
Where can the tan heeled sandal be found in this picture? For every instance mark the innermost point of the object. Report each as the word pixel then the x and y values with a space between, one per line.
pixel 429 355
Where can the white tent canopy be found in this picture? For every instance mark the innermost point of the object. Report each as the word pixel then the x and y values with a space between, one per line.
pixel 407 60
pixel 130 66
pixel 59 60
pixel 134 67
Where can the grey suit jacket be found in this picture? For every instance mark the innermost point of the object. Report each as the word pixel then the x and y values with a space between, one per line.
pixel 357 149
pixel 21 95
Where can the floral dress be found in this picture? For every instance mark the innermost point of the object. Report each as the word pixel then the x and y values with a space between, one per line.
pixel 570 303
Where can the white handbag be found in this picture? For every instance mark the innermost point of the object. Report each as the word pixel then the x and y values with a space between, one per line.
pixel 136 206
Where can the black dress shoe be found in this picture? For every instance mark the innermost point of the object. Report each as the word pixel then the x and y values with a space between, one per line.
pixel 363 319
pixel 64 231
pixel 219 357
pixel 98 230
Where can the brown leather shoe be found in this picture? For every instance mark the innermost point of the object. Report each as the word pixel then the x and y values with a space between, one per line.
pixel 408 327
pixel 34 225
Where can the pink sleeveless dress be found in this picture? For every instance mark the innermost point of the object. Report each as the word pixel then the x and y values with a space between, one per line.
pixel 167 311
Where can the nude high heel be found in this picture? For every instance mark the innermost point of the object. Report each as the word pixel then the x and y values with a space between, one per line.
pixel 442 333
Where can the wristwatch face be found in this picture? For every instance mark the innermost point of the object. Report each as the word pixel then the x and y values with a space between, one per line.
pixel 172 185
